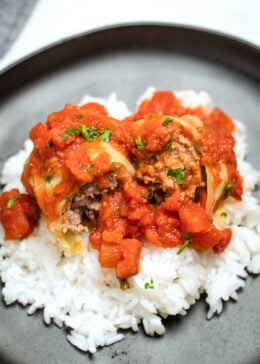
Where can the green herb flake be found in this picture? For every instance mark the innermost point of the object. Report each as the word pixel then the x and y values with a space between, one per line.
pixel 151 192
pixel 49 145
pixel 167 120
pixel 169 145
pixel 171 172
pixel 177 174
pixel 142 193
pixel 223 214
pixel 87 133
pixel 187 240
pixel 105 135
pixel 83 130
pixel 183 246
pixel 78 116
pixel 186 236
pixel 64 137
pixel 10 202
pixel 92 133
pixel 124 284
pixel 47 179
pixel 228 190
pixel 139 143
pixel 71 131
pixel 149 285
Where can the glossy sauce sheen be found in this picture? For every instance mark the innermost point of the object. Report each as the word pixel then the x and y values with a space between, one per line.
pixel 177 163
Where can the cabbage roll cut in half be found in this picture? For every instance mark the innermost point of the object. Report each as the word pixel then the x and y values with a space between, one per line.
pixel 185 156
pixel 169 158
pixel 78 156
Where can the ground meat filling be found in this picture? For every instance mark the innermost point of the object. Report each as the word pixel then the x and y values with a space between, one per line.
pixel 182 155
pixel 83 210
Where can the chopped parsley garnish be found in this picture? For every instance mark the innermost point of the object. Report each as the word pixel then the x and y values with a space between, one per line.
pixel 169 145
pixel 47 179
pixel 186 236
pixel 228 190
pixel 49 145
pixel 71 131
pixel 187 241
pixel 68 132
pixel 167 120
pixel 139 143
pixel 10 202
pixel 149 196
pixel 65 137
pixel 124 284
pixel 177 174
pixel 78 116
pixel 142 193
pixel 151 192
pixel 88 133
pixel 149 285
pixel 105 135
pixel 224 214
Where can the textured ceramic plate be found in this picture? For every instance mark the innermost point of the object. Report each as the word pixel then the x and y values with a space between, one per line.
pixel 127 60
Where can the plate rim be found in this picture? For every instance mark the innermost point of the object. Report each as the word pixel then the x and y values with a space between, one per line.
pixel 97 29
pixel 236 41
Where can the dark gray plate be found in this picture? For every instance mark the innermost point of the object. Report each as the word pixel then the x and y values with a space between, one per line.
pixel 126 60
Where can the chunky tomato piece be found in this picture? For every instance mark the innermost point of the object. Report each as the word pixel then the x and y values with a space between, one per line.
pixel 130 250
pixel 40 135
pixel 193 218
pixel 212 238
pixel 223 242
pixel 19 214
pixel 166 230
pixel 93 107
pixel 109 255
pixel 165 102
pixel 79 160
pixel 218 120
pixel 174 202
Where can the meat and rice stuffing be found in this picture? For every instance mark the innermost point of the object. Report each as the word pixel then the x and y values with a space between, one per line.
pixel 112 219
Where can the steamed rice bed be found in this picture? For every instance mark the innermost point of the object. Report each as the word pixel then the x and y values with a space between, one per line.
pixel 78 293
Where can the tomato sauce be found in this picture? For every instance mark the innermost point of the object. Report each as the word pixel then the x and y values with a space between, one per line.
pixel 164 203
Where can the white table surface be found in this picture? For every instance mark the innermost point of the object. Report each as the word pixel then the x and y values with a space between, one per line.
pixel 55 20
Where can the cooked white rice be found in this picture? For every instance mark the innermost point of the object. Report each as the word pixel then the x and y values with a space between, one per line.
pixel 78 293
